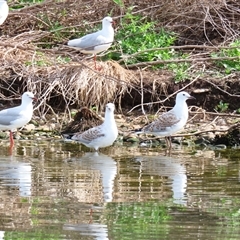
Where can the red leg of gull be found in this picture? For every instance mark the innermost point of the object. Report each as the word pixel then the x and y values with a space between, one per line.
pixel 95 63
pixel 11 139
pixel 94 59
pixel 11 142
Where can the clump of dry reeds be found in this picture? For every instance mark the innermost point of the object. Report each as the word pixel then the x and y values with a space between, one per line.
pixel 196 21
pixel 202 21
pixel 59 85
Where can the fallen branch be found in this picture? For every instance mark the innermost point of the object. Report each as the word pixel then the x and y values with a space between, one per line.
pixel 207 131
pixel 220 89
pixel 162 101
pixel 198 132
pixel 152 63
pixel 126 57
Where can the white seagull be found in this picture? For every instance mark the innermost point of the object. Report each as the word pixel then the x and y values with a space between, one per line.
pixel 96 42
pixel 4 10
pixel 16 117
pixel 100 136
pixel 170 122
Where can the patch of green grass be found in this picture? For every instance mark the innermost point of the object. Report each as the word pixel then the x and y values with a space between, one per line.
pixel 138 220
pixel 120 3
pixel 36 234
pixel 138 34
pixel 142 213
pixel 61 59
pixel 229 65
pixel 180 70
pixel 22 3
pixel 40 61
pixel 222 107
pixel 139 40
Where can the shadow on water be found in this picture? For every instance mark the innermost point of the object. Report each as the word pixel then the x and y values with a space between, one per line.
pixel 57 190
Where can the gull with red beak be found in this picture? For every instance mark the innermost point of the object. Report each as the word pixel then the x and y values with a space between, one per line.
pixel 170 122
pixel 95 42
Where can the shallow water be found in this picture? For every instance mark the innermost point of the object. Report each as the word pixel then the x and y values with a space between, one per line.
pixel 60 190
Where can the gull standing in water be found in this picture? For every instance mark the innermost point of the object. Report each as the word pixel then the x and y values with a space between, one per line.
pixel 4 10
pixel 170 122
pixel 101 136
pixel 16 117
pixel 96 42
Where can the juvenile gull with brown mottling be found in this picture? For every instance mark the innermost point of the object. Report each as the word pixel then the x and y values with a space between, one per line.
pixel 172 121
pixel 100 136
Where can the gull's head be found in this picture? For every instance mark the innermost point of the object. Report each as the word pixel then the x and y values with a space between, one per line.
pixel 107 21
pixel 110 107
pixel 183 96
pixel 28 97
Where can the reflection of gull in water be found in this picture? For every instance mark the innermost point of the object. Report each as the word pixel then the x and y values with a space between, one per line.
pixel 169 167
pixel 2 233
pixel 98 231
pixel 106 165
pixel 16 174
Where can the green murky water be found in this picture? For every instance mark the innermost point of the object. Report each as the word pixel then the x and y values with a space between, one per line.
pixel 57 190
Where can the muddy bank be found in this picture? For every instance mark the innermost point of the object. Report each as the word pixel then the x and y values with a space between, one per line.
pixel 208 91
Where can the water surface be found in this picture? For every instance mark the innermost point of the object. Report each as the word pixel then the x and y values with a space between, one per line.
pixel 61 190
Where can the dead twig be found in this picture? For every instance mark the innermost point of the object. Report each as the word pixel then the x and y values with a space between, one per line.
pixel 152 63
pixel 171 95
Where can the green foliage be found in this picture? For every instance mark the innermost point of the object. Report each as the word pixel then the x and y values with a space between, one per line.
pixel 63 59
pixel 180 70
pixel 22 3
pixel 139 39
pixel 54 27
pixel 138 34
pixel 40 61
pixel 222 107
pixel 142 213
pixel 33 235
pixel 119 2
pixel 138 219
pixel 230 65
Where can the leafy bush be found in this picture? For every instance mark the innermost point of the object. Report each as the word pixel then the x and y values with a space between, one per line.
pixel 138 34
pixel 138 42
pixel 222 107
pixel 230 64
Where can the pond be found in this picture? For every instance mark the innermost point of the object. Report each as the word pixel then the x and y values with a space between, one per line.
pixel 62 190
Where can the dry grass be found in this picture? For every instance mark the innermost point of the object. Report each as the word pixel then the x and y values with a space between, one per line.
pixel 26 65
pixel 202 21
pixel 196 21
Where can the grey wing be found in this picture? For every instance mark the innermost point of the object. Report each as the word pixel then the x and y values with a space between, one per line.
pixel 7 116
pixel 89 135
pixel 89 41
pixel 164 121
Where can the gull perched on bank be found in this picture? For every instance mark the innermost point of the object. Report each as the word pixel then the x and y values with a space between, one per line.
pixel 96 42
pixel 170 122
pixel 101 136
pixel 4 10
pixel 16 117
